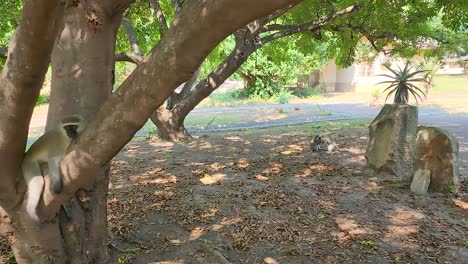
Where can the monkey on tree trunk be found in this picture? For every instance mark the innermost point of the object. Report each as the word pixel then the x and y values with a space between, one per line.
pixel 49 148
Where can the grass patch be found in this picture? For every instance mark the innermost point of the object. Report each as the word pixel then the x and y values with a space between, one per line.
pixel 314 128
pixel 449 84
pixel 215 120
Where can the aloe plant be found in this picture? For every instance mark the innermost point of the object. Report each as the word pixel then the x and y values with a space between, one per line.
pixel 402 84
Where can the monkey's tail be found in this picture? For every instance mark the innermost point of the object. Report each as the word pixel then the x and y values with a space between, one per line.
pixel 35 188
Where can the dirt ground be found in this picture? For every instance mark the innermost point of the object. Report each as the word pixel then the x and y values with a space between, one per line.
pixel 254 197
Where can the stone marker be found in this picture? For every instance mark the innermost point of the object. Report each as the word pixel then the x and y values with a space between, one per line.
pixel 392 136
pixel 437 151
pixel 421 181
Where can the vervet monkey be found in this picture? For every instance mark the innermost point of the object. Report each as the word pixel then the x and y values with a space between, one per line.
pixel 49 148
pixel 331 145
pixel 315 143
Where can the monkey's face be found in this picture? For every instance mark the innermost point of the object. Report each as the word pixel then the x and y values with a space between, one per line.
pixel 71 130
pixel 318 139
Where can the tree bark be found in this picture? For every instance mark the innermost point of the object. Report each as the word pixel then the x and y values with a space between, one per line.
pixel 20 83
pixel 198 26
pixel 128 109
pixel 82 79
pixel 79 86
pixel 170 124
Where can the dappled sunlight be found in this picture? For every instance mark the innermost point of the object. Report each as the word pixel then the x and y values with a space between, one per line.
pixel 404 224
pixel 247 193
pixel 196 233
pixel 370 185
pixel 349 228
pixel 238 139
pixel 292 149
pixel 356 151
pixel 405 216
pixel 211 179
pixel 462 204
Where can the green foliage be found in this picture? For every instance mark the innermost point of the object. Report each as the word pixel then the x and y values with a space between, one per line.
pixel 307 91
pixel 217 55
pixel 42 99
pixel 430 66
pixel 452 189
pixel 283 96
pixel 153 132
pixel 401 84
pixel 9 20
pixel 270 68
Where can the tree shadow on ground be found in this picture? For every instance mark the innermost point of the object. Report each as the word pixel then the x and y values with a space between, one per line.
pixel 243 197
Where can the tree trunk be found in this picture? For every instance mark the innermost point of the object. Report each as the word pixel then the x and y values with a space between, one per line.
pixel 170 123
pixel 118 119
pixel 82 66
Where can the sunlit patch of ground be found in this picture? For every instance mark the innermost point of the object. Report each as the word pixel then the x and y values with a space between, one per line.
pixel 255 197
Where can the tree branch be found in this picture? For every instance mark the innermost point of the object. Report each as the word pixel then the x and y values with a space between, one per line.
pixel 369 36
pixel 291 30
pixel 128 57
pixel 190 83
pixel 148 86
pixel 160 16
pixel 20 83
pixel 257 25
pixel 132 38
pixel 274 27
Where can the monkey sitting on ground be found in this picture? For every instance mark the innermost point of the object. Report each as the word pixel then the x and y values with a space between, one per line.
pixel 316 143
pixel 331 145
pixel 49 148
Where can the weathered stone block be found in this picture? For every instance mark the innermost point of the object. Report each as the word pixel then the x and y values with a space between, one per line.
pixel 392 138
pixel 421 181
pixel 437 151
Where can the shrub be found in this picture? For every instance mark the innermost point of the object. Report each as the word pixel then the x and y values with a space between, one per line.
pixel 307 91
pixel 401 84
pixel 283 96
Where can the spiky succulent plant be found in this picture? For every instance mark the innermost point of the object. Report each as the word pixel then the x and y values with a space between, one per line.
pixel 402 84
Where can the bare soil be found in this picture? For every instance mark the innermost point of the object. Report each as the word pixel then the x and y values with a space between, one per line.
pixel 255 197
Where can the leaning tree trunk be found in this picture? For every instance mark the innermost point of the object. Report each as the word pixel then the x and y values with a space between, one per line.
pixel 118 118
pixel 170 122
pixel 82 79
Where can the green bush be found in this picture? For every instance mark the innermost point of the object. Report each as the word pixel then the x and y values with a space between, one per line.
pixel 43 99
pixel 307 91
pixel 260 89
pixel 223 98
pixel 283 96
